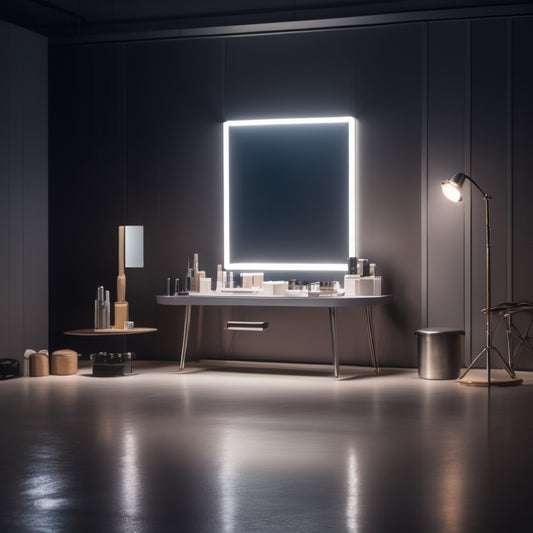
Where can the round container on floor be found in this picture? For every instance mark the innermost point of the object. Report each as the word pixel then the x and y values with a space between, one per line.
pixel 440 352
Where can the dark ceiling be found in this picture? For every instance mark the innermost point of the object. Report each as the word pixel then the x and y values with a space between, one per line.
pixel 69 18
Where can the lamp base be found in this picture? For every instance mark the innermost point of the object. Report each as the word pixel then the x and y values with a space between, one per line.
pixel 121 314
pixel 478 378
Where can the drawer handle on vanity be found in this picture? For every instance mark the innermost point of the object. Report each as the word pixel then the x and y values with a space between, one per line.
pixel 246 326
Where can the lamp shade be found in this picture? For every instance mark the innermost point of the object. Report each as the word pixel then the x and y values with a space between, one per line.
pixel 452 187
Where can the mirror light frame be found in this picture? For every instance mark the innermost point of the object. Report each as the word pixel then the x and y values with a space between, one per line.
pixel 352 199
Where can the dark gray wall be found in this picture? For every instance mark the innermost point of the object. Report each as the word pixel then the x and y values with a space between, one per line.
pixel 23 191
pixel 136 137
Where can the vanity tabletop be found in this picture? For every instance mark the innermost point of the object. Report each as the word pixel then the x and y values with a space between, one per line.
pixel 259 300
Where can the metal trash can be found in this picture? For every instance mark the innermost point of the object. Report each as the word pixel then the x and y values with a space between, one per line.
pixel 440 352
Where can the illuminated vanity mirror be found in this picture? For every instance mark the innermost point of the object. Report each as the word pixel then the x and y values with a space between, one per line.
pixel 290 194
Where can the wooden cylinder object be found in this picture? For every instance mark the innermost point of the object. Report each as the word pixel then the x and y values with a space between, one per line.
pixel 39 365
pixel 64 362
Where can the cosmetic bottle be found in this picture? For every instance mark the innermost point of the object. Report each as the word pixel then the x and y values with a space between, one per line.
pixel 107 323
pixel 363 268
pixel 219 278
pixel 350 284
pixel 189 276
pixel 99 309
pixel 352 265
pixel 176 286
pixel 230 282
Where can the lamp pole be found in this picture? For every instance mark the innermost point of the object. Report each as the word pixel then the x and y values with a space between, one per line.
pixel 488 347
pixel 456 183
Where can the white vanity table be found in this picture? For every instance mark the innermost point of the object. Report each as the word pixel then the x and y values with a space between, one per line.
pixel 258 300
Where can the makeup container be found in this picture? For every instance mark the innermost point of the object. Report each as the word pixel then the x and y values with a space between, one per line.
pixel 189 276
pixel 107 323
pixel 352 265
pixel 258 280
pixel 168 287
pixel 101 311
pixel 328 288
pixel 247 280
pixel 275 288
pixel 314 289
pixel 177 286
pixel 349 284
pixel 205 285
pixel 363 267
pixel 377 285
pixel 364 286
pixel 230 281
pixel 219 285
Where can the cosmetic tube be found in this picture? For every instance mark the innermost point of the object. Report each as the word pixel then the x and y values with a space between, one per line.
pixel 352 265
pixel 189 276
pixel 219 278
pixel 107 322
pixel 99 309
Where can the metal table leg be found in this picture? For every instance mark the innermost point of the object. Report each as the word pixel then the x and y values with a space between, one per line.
pixel 334 344
pixel 186 328
pixel 371 338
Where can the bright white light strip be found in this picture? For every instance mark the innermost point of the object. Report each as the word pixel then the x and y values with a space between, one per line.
pixel 352 187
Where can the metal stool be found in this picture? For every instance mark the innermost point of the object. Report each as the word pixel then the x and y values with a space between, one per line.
pixel 518 335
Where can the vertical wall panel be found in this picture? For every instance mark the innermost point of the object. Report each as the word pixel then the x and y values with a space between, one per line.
pixel 24 190
pixel 87 181
pixel 4 188
pixel 34 88
pixel 446 156
pixel 489 166
pixel 522 155
pixel 523 159
pixel 15 290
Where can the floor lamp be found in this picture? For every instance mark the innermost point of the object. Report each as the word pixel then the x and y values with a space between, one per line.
pixel 452 189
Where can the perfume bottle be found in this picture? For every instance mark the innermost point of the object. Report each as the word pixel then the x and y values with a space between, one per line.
pixel 100 309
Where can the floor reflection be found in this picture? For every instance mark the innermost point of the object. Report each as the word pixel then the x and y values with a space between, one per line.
pixel 352 492
pixel 222 452
pixel 130 477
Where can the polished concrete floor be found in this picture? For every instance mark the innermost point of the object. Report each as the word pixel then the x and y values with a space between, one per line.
pixel 264 448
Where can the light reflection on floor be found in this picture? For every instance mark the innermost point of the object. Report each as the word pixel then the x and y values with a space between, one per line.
pixel 252 449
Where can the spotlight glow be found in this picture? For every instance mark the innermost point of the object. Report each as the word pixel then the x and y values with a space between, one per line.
pixel 452 191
